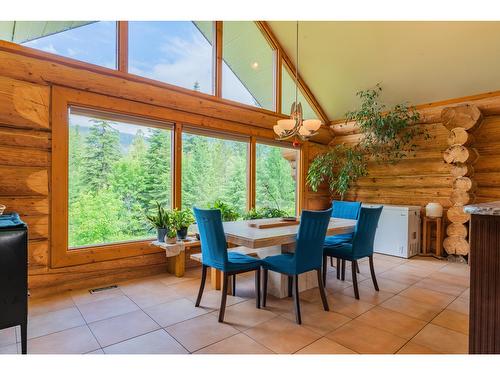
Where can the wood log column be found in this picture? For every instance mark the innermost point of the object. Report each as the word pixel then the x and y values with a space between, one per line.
pixel 461 121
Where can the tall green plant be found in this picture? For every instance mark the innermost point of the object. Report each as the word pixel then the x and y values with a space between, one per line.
pixel 387 136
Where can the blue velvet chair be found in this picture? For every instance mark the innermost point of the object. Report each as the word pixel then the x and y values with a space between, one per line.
pixel 214 254
pixel 342 210
pixel 307 256
pixel 361 246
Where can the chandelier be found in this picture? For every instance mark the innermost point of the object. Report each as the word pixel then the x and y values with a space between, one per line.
pixel 296 126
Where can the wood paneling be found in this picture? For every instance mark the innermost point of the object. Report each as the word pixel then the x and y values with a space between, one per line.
pixel 24 181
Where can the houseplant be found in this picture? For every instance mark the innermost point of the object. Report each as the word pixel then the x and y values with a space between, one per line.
pixel 161 221
pixel 171 236
pixel 387 136
pixel 228 212
pixel 181 220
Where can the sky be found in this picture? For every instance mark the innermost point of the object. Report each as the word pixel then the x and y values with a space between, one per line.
pixel 175 52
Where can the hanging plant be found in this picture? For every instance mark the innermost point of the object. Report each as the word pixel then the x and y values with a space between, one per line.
pixel 387 136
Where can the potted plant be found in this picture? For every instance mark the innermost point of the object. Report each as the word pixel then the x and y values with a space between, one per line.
pixel 228 212
pixel 160 221
pixel 181 220
pixel 171 236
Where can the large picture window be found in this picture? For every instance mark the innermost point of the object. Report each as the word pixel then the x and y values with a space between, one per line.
pixel 248 65
pixel 276 174
pixel 118 167
pixel 174 52
pixel 214 169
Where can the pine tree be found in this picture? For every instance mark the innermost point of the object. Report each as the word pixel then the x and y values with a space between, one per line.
pixel 102 151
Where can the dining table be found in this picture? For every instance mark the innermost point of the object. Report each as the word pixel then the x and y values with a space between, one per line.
pixel 266 241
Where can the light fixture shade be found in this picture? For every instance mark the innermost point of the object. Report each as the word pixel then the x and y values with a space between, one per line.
pixel 312 124
pixel 277 129
pixel 303 131
pixel 286 124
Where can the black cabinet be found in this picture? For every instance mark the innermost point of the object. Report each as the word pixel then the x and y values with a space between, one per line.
pixel 14 275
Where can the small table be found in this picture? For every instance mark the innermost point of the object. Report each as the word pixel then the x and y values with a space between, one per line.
pixel 176 252
pixel 426 236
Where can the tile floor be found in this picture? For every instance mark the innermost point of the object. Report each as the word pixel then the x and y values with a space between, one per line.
pixel 422 307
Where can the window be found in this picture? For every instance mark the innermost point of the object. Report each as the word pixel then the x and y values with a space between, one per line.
pixel 276 185
pixel 288 95
pixel 248 66
pixel 92 42
pixel 214 169
pixel 179 53
pixel 118 167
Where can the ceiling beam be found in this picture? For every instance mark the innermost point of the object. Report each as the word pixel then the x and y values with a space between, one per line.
pixel 264 27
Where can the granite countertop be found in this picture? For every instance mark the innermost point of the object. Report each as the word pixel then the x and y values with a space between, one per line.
pixel 490 208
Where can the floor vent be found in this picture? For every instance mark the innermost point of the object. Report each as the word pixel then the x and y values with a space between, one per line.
pixel 97 290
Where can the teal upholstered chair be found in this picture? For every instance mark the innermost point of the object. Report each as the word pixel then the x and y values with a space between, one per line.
pixel 360 247
pixel 307 256
pixel 214 254
pixel 342 210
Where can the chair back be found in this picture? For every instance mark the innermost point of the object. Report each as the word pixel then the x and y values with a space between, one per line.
pixel 364 234
pixel 212 237
pixel 310 240
pixel 346 210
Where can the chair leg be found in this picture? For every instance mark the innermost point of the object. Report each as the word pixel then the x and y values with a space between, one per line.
pixel 321 287
pixel 234 284
pixel 257 288
pixel 202 284
pixel 354 264
pixel 342 277
pixel 290 286
pixel 24 337
pixel 357 268
pixel 372 271
pixel 331 261
pixel 296 299
pixel 264 287
pixel 225 280
pixel 325 260
pixel 338 268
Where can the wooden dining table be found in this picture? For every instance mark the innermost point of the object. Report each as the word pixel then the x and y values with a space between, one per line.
pixel 272 241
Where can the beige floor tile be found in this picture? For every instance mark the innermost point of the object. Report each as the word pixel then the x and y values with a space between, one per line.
pixel 98 351
pixel 157 342
pixel 453 320
pixel 458 269
pixel 211 299
pixel 54 321
pixel 440 286
pixel 174 312
pixel 7 336
pixel 402 276
pixel 278 305
pixel 155 297
pixel 450 278
pixel 10 349
pixel 386 285
pixel 412 348
pixel 83 296
pixel 379 265
pixel 37 306
pixel 413 270
pixel 318 320
pixel 245 315
pixel 107 308
pixel 465 295
pixel 334 285
pixel 348 306
pixel 428 296
pixel 122 327
pixel 391 321
pixel 237 344
pixel 189 289
pixel 325 346
pixel 460 305
pixel 77 340
pixel 366 339
pixel 367 293
pixel 282 335
pixel 411 307
pixel 201 331
pixel 442 340
pixel 388 258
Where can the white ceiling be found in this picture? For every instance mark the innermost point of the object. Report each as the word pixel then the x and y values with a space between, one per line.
pixel 418 62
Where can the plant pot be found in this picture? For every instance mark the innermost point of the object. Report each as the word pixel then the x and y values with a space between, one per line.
pixel 182 233
pixel 162 232
pixel 171 241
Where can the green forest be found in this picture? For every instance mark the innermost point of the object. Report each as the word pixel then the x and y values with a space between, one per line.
pixel 115 177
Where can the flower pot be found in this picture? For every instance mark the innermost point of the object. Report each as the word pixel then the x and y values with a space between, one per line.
pixel 171 241
pixel 182 233
pixel 162 232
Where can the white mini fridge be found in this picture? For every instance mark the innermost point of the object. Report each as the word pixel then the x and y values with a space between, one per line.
pixel 398 231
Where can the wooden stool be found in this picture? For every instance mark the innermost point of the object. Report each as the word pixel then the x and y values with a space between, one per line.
pixel 426 237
